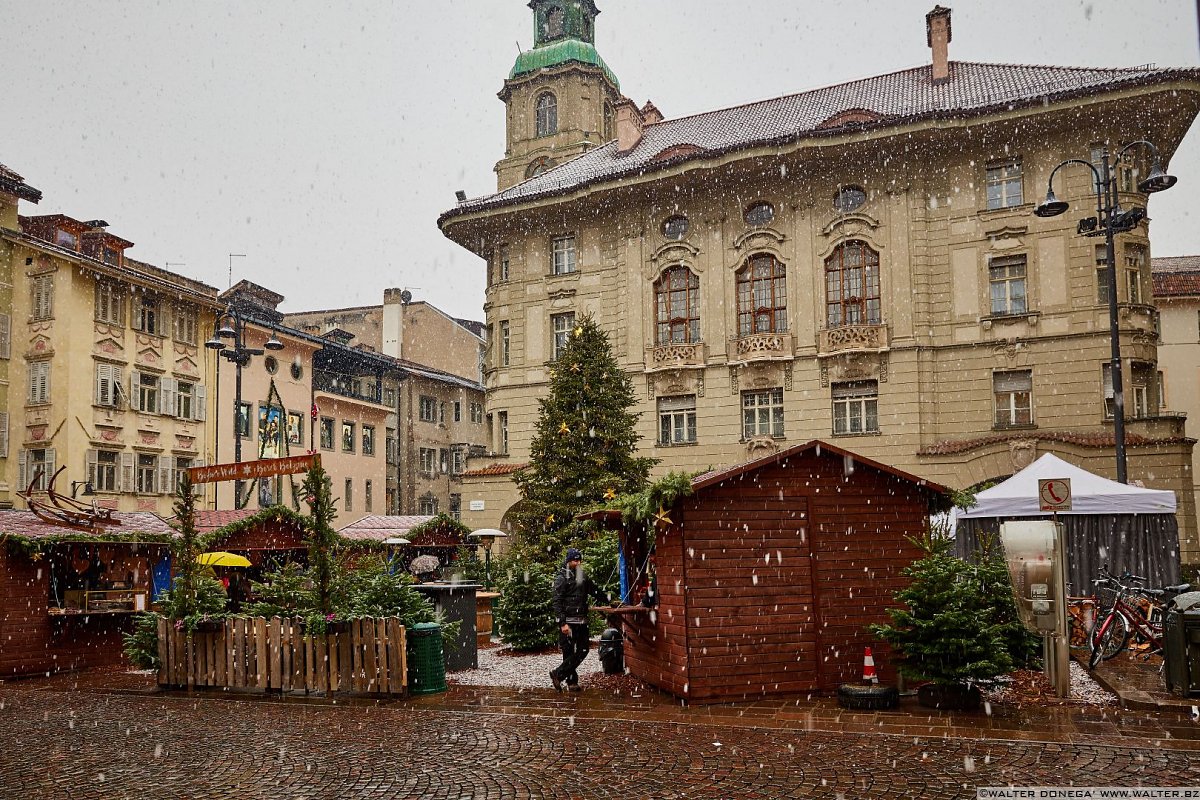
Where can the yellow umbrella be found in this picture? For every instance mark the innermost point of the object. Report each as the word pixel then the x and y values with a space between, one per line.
pixel 223 560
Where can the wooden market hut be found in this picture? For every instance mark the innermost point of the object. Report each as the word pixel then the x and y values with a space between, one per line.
pixel 267 537
pixel 439 536
pixel 768 574
pixel 68 594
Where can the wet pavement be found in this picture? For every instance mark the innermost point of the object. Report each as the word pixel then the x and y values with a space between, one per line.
pixel 107 734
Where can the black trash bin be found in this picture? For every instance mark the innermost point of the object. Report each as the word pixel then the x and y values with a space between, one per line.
pixel 612 652
pixel 1181 645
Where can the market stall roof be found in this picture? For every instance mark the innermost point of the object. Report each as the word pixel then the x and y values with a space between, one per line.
pixel 1091 494
pixel 19 522
pixel 207 521
pixel 378 527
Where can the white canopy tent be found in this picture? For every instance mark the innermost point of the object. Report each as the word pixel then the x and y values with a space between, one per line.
pixel 1128 528
pixel 1090 494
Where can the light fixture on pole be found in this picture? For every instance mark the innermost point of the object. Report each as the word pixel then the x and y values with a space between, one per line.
pixel 88 491
pixel 487 537
pixel 1111 220
pixel 232 325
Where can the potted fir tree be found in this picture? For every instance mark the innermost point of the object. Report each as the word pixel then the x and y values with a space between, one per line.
pixel 949 630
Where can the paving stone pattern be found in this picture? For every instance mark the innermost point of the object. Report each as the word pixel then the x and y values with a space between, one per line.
pixel 96 745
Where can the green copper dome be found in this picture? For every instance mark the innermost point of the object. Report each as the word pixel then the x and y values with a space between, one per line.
pixel 562 51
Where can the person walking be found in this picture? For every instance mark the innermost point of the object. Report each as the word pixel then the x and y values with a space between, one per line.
pixel 572 588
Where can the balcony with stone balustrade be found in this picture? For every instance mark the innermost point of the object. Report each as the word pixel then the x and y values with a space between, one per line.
pixel 852 339
pixel 676 355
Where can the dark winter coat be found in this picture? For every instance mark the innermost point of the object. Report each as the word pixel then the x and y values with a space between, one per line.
pixel 571 594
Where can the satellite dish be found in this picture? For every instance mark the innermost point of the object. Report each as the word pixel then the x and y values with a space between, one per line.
pixel 406 296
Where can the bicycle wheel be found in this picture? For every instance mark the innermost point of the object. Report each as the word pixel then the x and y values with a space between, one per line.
pixel 1109 637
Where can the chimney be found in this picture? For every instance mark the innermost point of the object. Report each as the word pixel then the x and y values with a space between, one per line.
pixel 651 114
pixel 937 34
pixel 629 125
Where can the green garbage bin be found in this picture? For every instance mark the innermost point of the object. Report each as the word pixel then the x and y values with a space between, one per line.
pixel 426 669
pixel 1181 646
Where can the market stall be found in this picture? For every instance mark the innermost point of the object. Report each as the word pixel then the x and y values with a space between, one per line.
pixel 763 580
pixel 1129 528
pixel 67 595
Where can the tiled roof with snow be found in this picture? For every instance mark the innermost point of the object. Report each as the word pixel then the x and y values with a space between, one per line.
pixel 1176 276
pixel 905 96
pixel 18 522
pixel 378 527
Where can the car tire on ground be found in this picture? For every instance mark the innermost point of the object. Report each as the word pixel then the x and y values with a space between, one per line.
pixel 862 697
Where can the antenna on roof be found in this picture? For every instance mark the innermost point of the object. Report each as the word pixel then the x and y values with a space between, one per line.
pixel 519 50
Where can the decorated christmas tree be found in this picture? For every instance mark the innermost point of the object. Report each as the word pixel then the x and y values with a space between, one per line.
pixel 584 451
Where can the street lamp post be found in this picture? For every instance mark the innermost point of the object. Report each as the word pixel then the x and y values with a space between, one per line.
pixel 487 537
pixel 232 325
pixel 1110 220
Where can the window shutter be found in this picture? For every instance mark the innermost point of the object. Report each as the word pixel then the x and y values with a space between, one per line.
pixel 136 311
pixel 135 392
pixel 166 396
pixel 1108 387
pixel 164 475
pixel 198 410
pixel 127 461
pixel 5 336
pixel 89 472
pixel 3 434
pixel 198 488
pixel 22 478
pixel 50 465
pixel 106 390
pixel 1012 381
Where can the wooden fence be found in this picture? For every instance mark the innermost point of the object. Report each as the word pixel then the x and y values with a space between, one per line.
pixel 363 656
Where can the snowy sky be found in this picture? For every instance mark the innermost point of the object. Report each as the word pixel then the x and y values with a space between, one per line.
pixel 323 139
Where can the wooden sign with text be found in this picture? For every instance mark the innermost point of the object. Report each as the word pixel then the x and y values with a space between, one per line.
pixel 248 470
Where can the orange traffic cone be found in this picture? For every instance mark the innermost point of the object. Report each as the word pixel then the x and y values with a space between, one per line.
pixel 869 675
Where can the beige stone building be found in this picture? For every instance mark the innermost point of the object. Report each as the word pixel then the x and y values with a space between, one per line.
pixel 432 390
pixel 857 263
pixel 107 375
pixel 1177 296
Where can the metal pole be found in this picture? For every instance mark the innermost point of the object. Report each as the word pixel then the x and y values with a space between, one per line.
pixel 237 406
pixel 487 567
pixel 1108 199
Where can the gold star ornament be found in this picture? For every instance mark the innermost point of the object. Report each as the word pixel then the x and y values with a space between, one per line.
pixel 610 494
pixel 562 428
pixel 662 517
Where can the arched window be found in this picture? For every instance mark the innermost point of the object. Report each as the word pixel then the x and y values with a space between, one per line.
pixel 609 123
pixel 762 296
pixel 547 114
pixel 852 285
pixel 538 166
pixel 677 300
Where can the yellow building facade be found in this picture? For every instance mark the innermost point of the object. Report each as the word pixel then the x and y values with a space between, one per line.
pixel 859 264
pixel 107 375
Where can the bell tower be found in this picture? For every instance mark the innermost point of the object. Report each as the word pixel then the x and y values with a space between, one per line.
pixel 559 97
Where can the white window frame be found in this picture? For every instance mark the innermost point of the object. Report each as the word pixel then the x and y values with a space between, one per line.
pixel 1135 267
pixel 762 413
pixel 504 340
pixel 368 440
pixel 1003 279
pixel 428 456
pixel 147 314
pixel 1012 396
pixel 562 255
pixel 5 336
pixel 427 408
pixel 104 476
pixel 677 420
pixel 855 407
pixel 1006 178
pixel 145 474
pixel 561 326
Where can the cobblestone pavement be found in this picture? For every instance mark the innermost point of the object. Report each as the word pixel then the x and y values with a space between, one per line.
pixel 97 745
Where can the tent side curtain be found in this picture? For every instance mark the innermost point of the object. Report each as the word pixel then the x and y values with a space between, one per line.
pixel 1141 544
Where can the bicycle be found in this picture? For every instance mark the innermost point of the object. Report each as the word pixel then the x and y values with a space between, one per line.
pixel 1112 631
